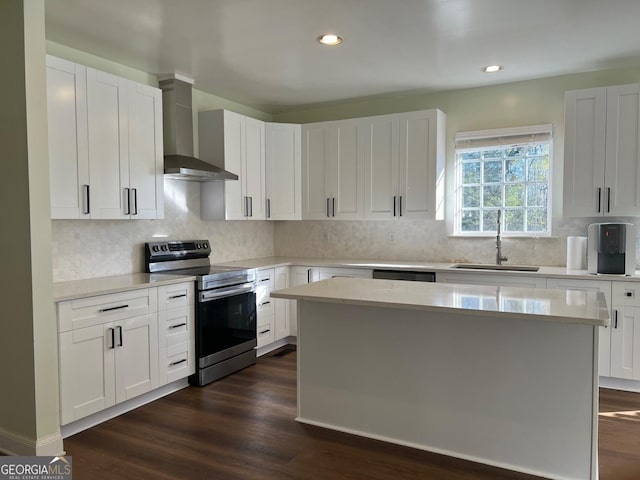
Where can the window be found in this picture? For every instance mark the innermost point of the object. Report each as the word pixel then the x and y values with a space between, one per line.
pixel 508 170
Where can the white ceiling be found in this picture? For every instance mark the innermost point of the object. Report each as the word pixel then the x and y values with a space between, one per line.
pixel 264 53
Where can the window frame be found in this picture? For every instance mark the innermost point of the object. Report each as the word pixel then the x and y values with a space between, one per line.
pixel 500 138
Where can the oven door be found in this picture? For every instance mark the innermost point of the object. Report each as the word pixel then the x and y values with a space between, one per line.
pixel 226 323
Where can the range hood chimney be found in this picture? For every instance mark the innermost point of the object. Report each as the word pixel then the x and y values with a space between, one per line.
pixel 179 162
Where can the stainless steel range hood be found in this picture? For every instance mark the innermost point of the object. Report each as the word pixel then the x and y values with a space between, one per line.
pixel 179 162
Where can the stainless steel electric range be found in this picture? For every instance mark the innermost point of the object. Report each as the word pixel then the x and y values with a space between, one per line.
pixel 225 322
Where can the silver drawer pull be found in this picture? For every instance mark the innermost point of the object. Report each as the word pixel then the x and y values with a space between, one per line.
pixel 173 364
pixel 264 280
pixel 178 325
pixel 265 331
pixel 177 296
pixel 264 303
pixel 119 307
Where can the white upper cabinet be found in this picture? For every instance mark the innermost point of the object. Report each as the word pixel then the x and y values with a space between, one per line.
pixel 283 164
pixel 105 142
pixel 68 156
pixel 333 170
pixel 404 165
pixel 602 151
pixel 236 143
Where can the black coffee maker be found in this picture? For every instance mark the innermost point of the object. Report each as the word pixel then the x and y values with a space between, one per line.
pixel 611 248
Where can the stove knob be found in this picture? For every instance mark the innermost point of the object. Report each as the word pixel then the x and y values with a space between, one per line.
pixel 155 248
pixel 164 248
pixel 205 245
pixel 198 245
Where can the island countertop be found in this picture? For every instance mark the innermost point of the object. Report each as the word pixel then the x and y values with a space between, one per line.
pixel 564 306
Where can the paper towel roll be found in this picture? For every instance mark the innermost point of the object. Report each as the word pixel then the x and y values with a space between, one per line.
pixel 576 253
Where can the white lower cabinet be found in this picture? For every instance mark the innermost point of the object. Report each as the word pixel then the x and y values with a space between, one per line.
pixel 324 273
pixel 625 330
pixel 281 306
pixel 265 307
pixel 604 346
pixel 118 346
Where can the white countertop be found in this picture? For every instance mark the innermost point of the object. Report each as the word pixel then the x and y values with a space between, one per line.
pixel 104 285
pixel 585 308
pixel 544 271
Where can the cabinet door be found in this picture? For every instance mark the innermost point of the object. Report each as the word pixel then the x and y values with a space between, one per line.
pixel 253 172
pixel 87 372
pixel 136 358
pixel 584 152
pixel 297 276
pixel 145 152
pixel 283 164
pixel 381 167
pixel 108 145
pixel 418 162
pixel 234 152
pixel 67 123
pixel 625 342
pixel 604 354
pixel 281 306
pixel 316 172
pixel 622 172
pixel 346 188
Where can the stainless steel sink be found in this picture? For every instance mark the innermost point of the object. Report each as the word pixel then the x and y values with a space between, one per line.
pixel 489 266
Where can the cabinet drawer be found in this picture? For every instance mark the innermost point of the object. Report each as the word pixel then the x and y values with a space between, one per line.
pixel 86 312
pixel 626 294
pixel 175 363
pixel 178 295
pixel 175 326
pixel 266 334
pixel 265 278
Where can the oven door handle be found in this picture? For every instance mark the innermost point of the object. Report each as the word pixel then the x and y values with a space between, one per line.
pixel 226 292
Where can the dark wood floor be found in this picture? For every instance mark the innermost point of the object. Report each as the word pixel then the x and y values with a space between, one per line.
pixel 242 427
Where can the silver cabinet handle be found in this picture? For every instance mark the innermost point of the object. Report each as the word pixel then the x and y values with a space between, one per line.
pixel 608 199
pixel 334 206
pixel 172 364
pixel 599 199
pixel 87 200
pixel 127 196
pixel 119 307
pixel 178 325
pixel 226 292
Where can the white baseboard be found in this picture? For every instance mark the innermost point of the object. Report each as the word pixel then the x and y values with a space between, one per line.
pixel 620 384
pixel 14 444
pixel 124 407
pixel 275 345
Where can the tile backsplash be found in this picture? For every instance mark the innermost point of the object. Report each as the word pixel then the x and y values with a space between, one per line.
pixel 97 248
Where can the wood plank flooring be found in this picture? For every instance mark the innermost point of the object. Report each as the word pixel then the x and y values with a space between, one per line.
pixel 242 427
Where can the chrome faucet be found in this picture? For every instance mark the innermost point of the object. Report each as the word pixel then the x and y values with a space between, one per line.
pixel 499 257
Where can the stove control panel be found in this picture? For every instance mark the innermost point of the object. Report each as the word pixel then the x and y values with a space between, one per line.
pixel 176 250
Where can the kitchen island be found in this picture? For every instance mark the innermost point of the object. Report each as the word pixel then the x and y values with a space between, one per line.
pixel 499 375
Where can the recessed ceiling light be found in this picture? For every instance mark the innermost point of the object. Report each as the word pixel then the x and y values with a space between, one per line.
pixel 330 39
pixel 492 68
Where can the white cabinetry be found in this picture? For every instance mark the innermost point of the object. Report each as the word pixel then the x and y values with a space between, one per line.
pixel 602 151
pixel 283 170
pixel 604 355
pixel 281 306
pixel 236 143
pixel 105 139
pixel 299 276
pixel 333 170
pixel 108 351
pixel 404 165
pixel 625 330
pixel 265 307
pixel 68 155
pixel 176 334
